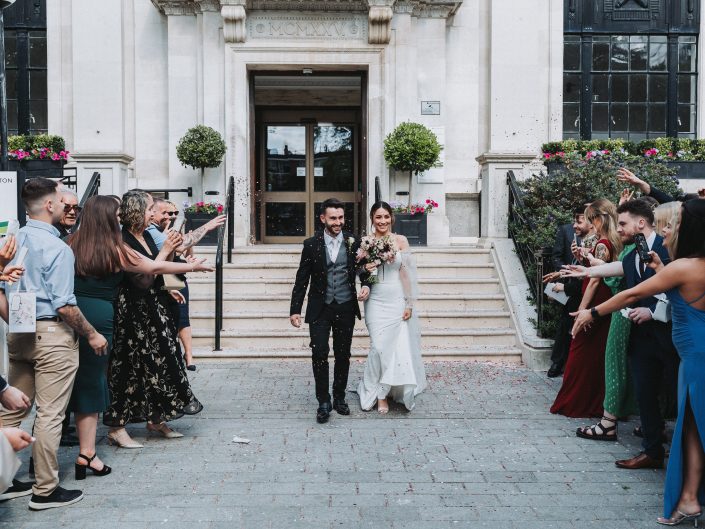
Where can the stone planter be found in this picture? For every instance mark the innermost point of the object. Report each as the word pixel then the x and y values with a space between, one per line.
pixel 689 170
pixel 413 227
pixel 196 220
pixel 554 167
pixel 32 168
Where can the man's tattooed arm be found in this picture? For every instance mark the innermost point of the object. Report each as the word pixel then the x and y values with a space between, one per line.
pixel 192 238
pixel 75 319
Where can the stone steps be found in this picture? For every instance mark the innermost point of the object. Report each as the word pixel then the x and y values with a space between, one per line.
pixel 461 306
pixel 476 319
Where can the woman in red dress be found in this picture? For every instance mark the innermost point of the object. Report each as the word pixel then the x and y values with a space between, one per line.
pixel 583 388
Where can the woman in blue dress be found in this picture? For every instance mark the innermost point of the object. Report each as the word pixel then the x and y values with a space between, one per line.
pixel 684 282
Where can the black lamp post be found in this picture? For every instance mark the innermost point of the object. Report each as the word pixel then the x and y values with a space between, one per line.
pixel 3 88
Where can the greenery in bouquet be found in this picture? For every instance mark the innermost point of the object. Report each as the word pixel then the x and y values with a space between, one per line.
pixel 549 200
pixel 212 208
pixel 37 147
pixel 417 208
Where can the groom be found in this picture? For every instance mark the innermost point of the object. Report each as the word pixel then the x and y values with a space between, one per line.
pixel 328 261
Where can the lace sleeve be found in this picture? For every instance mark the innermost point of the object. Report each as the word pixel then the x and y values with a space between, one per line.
pixel 409 280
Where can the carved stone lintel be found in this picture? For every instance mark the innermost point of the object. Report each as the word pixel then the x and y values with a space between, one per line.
pixel 423 10
pixel 380 24
pixel 175 7
pixel 203 6
pixel 234 17
pixel 404 7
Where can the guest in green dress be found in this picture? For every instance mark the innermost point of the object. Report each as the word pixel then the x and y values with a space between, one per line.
pixel 619 393
pixel 101 256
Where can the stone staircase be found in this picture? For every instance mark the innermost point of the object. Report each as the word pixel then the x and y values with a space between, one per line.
pixel 462 306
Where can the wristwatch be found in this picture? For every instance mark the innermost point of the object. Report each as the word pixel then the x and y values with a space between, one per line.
pixel 594 313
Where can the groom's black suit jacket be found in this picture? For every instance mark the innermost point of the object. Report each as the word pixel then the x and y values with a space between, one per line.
pixel 314 268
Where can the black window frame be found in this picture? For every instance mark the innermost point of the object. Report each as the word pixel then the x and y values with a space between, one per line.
pixel 24 20
pixel 672 20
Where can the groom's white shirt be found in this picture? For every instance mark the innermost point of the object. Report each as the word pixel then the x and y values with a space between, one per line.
pixel 333 244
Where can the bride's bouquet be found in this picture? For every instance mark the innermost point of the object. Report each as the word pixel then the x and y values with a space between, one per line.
pixel 376 250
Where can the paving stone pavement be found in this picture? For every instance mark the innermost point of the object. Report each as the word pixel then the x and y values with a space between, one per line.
pixel 480 450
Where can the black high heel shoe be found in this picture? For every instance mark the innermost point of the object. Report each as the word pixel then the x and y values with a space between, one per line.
pixel 81 469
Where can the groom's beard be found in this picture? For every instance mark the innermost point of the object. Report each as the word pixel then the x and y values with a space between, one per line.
pixel 331 229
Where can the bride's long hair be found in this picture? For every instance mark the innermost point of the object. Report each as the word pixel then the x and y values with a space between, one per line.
pixel 381 205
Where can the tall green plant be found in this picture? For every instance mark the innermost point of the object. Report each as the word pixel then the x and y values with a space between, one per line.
pixel 201 147
pixel 412 147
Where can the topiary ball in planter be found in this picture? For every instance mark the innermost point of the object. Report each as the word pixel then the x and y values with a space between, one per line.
pixel 201 147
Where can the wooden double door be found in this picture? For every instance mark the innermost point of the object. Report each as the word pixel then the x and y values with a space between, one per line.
pixel 305 157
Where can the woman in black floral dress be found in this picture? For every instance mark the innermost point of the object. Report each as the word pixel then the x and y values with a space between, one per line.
pixel 147 374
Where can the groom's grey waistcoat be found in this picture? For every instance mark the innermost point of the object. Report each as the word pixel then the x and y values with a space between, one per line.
pixel 338 288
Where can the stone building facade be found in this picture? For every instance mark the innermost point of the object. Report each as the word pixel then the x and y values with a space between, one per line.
pixel 304 91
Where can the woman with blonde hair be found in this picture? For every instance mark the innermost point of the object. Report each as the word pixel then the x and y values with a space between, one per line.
pixel 583 388
pixel 666 221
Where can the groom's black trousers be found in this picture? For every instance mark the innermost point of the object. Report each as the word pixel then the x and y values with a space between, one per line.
pixel 341 319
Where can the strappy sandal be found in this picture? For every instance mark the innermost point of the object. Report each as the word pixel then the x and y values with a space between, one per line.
pixel 599 432
pixel 680 517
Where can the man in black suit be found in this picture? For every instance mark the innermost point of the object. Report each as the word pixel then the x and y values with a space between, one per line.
pixel 652 356
pixel 328 262
pixel 562 254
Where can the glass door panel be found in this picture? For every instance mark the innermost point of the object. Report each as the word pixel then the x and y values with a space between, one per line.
pixel 286 159
pixel 333 163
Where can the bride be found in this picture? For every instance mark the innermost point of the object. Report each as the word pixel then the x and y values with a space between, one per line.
pixel 394 366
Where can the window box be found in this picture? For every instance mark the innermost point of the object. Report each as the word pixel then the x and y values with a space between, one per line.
pixel 33 168
pixel 413 227
pixel 196 220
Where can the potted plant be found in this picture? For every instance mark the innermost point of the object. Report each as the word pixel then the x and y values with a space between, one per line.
pixel 37 155
pixel 412 148
pixel 201 147
pixel 199 214
pixel 410 220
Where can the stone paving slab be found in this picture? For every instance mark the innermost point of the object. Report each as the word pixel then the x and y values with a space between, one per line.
pixel 480 451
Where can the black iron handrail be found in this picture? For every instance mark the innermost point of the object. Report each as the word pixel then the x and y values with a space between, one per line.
pixel 230 227
pixel 91 190
pixel 528 256
pixel 166 191
pixel 378 190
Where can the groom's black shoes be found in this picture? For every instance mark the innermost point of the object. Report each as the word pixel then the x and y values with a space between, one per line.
pixel 341 407
pixel 323 413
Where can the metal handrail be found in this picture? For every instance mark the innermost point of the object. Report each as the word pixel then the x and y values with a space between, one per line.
pixel 91 190
pixel 528 256
pixel 166 191
pixel 230 214
pixel 378 189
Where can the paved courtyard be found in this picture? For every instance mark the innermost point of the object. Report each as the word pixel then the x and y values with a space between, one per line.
pixel 480 450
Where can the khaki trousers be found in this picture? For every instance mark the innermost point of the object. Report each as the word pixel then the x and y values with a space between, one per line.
pixel 43 366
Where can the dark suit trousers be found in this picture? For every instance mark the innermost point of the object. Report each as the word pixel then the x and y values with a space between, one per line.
pixel 341 319
pixel 654 365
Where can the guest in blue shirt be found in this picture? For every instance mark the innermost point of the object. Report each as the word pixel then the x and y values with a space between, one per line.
pixel 43 364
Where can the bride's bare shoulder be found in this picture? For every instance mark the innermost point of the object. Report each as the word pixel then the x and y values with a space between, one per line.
pixel 402 242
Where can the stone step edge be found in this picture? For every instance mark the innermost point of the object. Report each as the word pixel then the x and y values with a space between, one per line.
pixel 465 352
pixel 241 333
pixel 283 281
pixel 296 249
pixel 286 297
pixel 425 314
pixel 284 264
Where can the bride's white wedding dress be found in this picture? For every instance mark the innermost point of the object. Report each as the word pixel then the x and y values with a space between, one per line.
pixel 394 366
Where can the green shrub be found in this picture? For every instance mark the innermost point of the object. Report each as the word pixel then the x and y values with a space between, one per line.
pixel 201 147
pixel 29 142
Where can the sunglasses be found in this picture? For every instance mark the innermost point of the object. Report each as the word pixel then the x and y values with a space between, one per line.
pixel 172 213
pixel 69 207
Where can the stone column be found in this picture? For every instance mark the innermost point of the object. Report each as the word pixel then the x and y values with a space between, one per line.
pixel 521 99
pixel 211 92
pixel 102 97
pixel 182 56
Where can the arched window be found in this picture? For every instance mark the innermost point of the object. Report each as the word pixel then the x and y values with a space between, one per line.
pixel 630 68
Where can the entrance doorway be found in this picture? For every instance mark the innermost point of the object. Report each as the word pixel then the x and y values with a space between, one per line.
pixel 305 155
